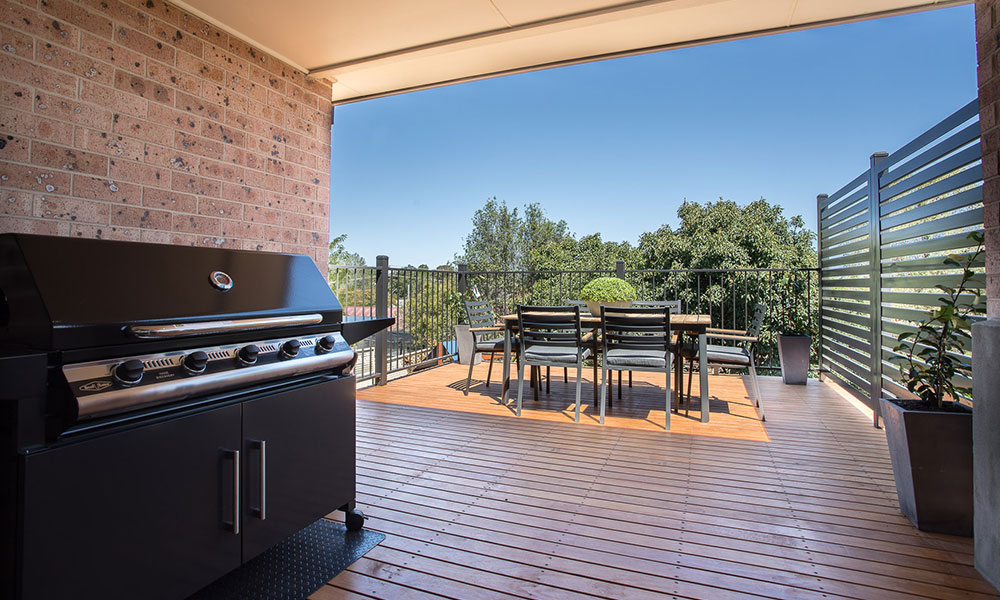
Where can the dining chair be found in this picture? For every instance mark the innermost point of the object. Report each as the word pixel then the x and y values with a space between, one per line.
pixel 583 308
pixel 636 339
pixel 675 308
pixel 551 336
pixel 731 357
pixel 484 329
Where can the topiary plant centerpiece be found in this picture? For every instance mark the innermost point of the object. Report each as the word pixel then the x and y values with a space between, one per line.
pixel 607 291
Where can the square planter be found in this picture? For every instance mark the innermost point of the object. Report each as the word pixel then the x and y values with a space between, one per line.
pixel 793 352
pixel 465 349
pixel 931 456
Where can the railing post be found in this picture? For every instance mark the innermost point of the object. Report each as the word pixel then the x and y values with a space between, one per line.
pixel 820 199
pixel 875 277
pixel 381 311
pixel 620 269
pixel 463 279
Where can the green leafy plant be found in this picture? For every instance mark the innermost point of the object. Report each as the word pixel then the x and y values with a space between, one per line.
pixel 794 303
pixel 608 289
pixel 925 362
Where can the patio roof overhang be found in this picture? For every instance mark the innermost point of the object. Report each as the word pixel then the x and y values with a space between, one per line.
pixel 373 49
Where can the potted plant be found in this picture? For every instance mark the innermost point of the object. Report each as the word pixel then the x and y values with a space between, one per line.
pixel 930 436
pixel 607 291
pixel 795 338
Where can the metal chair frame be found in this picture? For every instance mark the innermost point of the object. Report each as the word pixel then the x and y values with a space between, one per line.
pixel 636 328
pixel 675 308
pixel 554 327
pixel 481 321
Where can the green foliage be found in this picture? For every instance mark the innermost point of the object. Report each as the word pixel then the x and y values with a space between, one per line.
pixel 608 289
pixel 925 363
pixel 351 285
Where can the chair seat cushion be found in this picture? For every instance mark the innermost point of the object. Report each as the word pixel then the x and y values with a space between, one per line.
pixel 490 345
pixel 561 354
pixel 625 357
pixel 723 355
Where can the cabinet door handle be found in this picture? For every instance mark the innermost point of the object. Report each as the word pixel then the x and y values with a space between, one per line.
pixel 234 525
pixel 262 511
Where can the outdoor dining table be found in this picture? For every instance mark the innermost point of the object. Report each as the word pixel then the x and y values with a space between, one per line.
pixel 693 324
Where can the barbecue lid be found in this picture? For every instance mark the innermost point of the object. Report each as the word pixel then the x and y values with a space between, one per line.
pixel 63 293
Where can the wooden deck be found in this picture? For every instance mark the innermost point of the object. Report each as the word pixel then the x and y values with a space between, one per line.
pixel 478 503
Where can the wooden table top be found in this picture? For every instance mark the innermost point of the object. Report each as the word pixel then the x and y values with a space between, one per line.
pixel 676 320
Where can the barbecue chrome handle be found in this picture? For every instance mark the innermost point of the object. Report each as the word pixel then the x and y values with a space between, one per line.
pixel 208 327
pixel 261 512
pixel 234 525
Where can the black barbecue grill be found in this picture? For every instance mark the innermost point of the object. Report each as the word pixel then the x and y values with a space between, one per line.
pixel 166 412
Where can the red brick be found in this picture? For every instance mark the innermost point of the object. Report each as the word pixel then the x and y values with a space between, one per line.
pixel 227 62
pixel 79 16
pixel 16 148
pixel 63 59
pixel 136 172
pixel 300 189
pixel 119 11
pixel 143 130
pixel 238 156
pixel 70 209
pixel 13 96
pixel 264 181
pixel 199 106
pixel 169 200
pixel 226 135
pixel 991 215
pixel 196 66
pixel 169 76
pixel 36 75
pixel 104 232
pixel 114 54
pixel 176 119
pixel 296 249
pixel 39 25
pixel 26 177
pixel 253 91
pixel 106 96
pixel 143 218
pixel 260 214
pixel 242 230
pixel 198 145
pixel 290 75
pixel 238 47
pixel 283 168
pixel 260 246
pixel 320 87
pixel 57 107
pixel 164 237
pixel 263 111
pixel 32 225
pixel 220 208
pixel 144 88
pixel 197 224
pixel 109 143
pixel 107 190
pixel 16 203
pixel 180 40
pixel 300 158
pixel 269 146
pixel 172 159
pixel 203 30
pixel 221 170
pixel 17 43
pixel 241 193
pixel 193 184
pixel 144 44
pixel 219 241
pixel 68 159
pixel 267 79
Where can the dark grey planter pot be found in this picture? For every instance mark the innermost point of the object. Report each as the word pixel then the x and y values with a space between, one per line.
pixel 465 349
pixel 932 462
pixel 793 352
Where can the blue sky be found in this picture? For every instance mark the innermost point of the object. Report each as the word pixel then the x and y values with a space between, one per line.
pixel 616 146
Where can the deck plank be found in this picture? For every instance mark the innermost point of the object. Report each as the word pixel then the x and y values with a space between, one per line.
pixel 478 503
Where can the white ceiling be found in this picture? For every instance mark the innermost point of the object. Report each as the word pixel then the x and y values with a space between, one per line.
pixel 372 48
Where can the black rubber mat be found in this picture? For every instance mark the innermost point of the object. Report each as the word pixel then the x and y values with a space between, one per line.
pixel 296 567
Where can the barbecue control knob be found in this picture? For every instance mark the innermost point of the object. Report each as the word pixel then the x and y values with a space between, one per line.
pixel 247 355
pixel 290 348
pixel 196 362
pixel 128 372
pixel 325 344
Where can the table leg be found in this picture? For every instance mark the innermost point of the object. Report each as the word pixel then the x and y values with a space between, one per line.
pixel 597 391
pixel 505 386
pixel 703 373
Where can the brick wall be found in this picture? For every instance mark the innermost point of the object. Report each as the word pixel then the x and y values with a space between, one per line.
pixel 987 32
pixel 134 120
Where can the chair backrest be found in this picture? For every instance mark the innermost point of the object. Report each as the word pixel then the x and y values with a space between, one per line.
pixel 636 328
pixel 757 321
pixel 673 305
pixel 557 326
pixel 480 314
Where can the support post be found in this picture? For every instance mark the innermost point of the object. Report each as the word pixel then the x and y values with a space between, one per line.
pixel 381 311
pixel 820 201
pixel 463 279
pixel 620 269
pixel 875 279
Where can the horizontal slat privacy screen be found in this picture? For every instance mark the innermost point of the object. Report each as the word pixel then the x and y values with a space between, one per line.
pixel 882 240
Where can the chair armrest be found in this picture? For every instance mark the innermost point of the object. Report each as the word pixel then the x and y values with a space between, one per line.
pixel 587 337
pixel 712 330
pixel 480 329
pixel 726 336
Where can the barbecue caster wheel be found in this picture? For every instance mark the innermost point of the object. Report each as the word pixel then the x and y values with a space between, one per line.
pixel 354 520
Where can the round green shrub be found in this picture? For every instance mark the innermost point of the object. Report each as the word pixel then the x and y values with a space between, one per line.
pixel 608 289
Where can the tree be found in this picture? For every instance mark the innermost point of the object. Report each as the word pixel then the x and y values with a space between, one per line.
pixel 347 277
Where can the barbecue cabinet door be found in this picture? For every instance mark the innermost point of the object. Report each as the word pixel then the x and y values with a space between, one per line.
pixel 306 468
pixel 140 513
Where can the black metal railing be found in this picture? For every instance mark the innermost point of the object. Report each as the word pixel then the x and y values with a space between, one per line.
pixel 427 303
